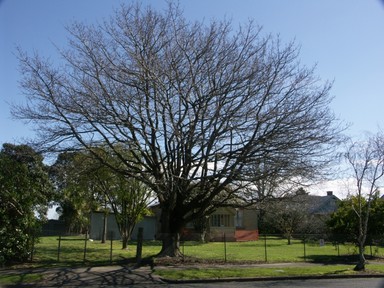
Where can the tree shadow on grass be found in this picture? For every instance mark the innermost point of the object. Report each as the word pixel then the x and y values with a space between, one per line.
pixel 331 260
pixel 106 276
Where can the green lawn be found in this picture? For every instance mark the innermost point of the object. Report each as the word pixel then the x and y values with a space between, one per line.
pixel 72 249
pixel 273 250
pixel 19 279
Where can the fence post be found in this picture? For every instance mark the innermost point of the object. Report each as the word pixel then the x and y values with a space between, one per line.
pixel 58 249
pixel 225 247
pixel 110 252
pixel 139 247
pixel 265 248
pixel 85 246
pixel 305 252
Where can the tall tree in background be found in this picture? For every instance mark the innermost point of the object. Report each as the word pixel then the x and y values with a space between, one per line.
pixel 196 103
pixel 366 160
pixel 25 192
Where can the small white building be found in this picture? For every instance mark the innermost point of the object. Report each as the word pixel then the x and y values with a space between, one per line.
pixel 148 223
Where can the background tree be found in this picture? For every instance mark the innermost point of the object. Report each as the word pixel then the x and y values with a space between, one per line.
pixel 293 215
pixel 74 190
pixel 366 160
pixel 285 219
pixel 286 215
pixel 129 200
pixel 197 104
pixel 344 223
pixel 25 192
pixel 87 185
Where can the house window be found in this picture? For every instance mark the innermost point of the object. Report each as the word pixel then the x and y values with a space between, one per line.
pixel 220 220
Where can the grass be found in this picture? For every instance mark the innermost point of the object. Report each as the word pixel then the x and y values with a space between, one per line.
pixel 271 250
pixel 20 279
pixel 71 252
pixel 221 273
pixel 275 250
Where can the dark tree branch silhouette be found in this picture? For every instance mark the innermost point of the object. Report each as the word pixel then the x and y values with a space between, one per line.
pixel 197 104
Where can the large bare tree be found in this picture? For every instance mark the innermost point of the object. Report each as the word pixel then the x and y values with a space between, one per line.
pixel 197 103
pixel 366 160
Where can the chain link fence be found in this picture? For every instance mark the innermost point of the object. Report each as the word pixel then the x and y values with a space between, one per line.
pixel 79 249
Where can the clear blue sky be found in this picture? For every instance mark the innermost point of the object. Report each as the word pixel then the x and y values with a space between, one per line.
pixel 345 38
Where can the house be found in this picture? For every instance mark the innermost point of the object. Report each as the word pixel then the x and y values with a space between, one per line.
pixel 316 204
pixel 322 205
pixel 241 224
pixel 237 224
pixel 148 223
pixel 298 213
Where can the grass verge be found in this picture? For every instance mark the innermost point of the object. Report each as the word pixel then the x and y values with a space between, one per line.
pixel 20 279
pixel 252 272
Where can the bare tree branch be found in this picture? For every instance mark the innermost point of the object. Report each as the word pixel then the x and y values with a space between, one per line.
pixel 199 105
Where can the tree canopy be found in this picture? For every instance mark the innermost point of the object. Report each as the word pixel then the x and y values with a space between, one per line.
pixel 344 223
pixel 85 185
pixel 205 109
pixel 73 176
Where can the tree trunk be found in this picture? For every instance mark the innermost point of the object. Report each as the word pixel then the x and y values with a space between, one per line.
pixel 170 245
pixel 288 234
pixel 361 264
pixel 126 234
pixel 104 236
pixel 203 236
pixel 171 228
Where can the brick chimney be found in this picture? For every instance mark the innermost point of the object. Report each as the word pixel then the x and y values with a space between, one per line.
pixel 329 193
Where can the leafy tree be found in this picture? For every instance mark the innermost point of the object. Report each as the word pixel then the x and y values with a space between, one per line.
pixel 199 105
pixel 129 200
pixel 25 192
pixel 344 223
pixel 127 197
pixel 86 185
pixel 74 190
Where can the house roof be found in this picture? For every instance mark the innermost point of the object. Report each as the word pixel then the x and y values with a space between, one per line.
pixel 319 204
